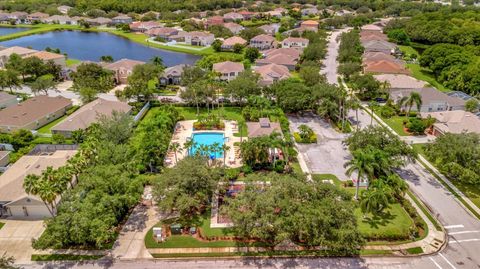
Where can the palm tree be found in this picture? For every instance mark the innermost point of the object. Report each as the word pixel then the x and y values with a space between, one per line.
pixel 225 148
pixel 361 163
pixel 77 164
pixel 413 99
pixel 175 147
pixel 34 184
pixel 188 145
pixel 158 61
pixel 376 199
pixel 371 105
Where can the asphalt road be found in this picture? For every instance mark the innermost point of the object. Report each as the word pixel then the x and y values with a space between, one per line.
pixel 330 63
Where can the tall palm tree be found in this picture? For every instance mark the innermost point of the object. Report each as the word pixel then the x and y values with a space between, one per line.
pixel 175 146
pixel 33 184
pixel 375 200
pixel 77 164
pixel 225 148
pixel 413 99
pixel 362 164
pixel 188 145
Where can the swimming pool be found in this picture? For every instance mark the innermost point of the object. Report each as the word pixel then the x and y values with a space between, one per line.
pixel 207 139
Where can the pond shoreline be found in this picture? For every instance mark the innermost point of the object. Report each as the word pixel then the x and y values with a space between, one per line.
pixel 134 37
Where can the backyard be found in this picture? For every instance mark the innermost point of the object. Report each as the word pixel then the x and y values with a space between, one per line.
pixel 395 122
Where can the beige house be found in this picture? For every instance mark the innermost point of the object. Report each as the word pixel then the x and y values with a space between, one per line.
pixel 197 38
pixel 228 70
pixel 230 42
pixel 263 42
pixel 36 17
pixel 295 42
pixel 455 122
pixel 88 114
pixel 235 28
pixel 271 73
pixel 7 100
pixel 21 51
pixel 14 201
pixel 433 100
pixel 45 56
pixel 122 69
pixel 400 81
pixel 287 57
pixel 33 113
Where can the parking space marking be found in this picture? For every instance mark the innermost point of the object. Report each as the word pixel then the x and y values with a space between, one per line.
pixel 454 226
pixel 464 232
pixel 436 264
pixel 449 263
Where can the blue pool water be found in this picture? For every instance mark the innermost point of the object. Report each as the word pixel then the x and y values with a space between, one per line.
pixel 207 139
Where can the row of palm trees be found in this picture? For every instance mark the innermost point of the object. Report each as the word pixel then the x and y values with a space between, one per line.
pixel 52 183
pixel 201 150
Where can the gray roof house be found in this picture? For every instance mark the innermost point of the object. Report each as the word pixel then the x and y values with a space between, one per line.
pixel 379 46
pixel 172 75
pixel 432 99
pixel 263 127
pixel 89 114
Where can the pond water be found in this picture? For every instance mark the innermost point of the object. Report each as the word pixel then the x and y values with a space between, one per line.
pixel 89 46
pixel 11 30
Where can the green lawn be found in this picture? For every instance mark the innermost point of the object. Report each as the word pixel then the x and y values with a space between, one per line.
pixel 424 74
pixel 227 113
pixel 1 225
pixel 408 50
pixel 64 257
pixel 71 62
pixel 393 223
pixel 204 224
pixel 46 128
pixel 38 29
pixel 185 241
pixel 395 122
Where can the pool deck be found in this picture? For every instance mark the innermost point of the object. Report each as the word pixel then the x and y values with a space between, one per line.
pixel 183 132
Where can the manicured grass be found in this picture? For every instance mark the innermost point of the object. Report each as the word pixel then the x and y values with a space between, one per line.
pixel 167 93
pixel 408 50
pixel 425 211
pixel 38 29
pixel 71 62
pixel 185 241
pixel 424 74
pixel 395 122
pixel 415 250
pixel 393 223
pixel 46 128
pixel 297 169
pixel 64 257
pixel 1 225
pixel 227 113
pixel 204 224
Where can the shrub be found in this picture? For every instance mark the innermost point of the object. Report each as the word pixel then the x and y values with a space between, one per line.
pixel 387 111
pixel 416 126
pixel 232 173
pixel 209 122
pixel 299 139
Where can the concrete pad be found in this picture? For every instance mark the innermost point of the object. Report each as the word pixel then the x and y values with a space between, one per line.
pixel 16 238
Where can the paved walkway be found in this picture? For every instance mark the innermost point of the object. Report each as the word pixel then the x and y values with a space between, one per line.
pixel 131 241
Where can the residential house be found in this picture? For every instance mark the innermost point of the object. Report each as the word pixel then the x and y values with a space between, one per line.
pixel 18 16
pixel 4 17
pixel 400 81
pixel 4 158
pixel 36 17
pixel 122 69
pixel 33 113
pixel 343 12
pixel 373 56
pixel 64 9
pixel 295 42
pixel 310 25
pixel 455 122
pixel 369 36
pixel 228 70
pixel 270 29
pixel 214 20
pixel 63 20
pixel 14 201
pixel 21 51
pixel 7 100
pixel 100 21
pixel 232 16
pixel 385 67
pixel 172 75
pixel 379 46
pixel 263 42
pixel 271 73
pixel 143 26
pixel 274 14
pixel 263 128
pixel 45 56
pixel 229 43
pixel 197 38
pixel 235 28
pixel 247 15
pixel 89 114
pixel 163 32
pixel 311 11
pixel 122 19
pixel 371 28
pixel 287 57
pixel 432 99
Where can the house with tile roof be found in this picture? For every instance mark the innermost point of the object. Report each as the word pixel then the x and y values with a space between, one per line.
pixel 122 69
pixel 385 67
pixel 295 43
pixel 433 100
pixel 263 42
pixel 455 122
pixel 271 73
pixel 230 42
pixel 228 70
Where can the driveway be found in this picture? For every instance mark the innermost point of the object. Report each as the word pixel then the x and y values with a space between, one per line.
pixel 329 154
pixel 16 238
pixel 130 243
pixel 330 63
